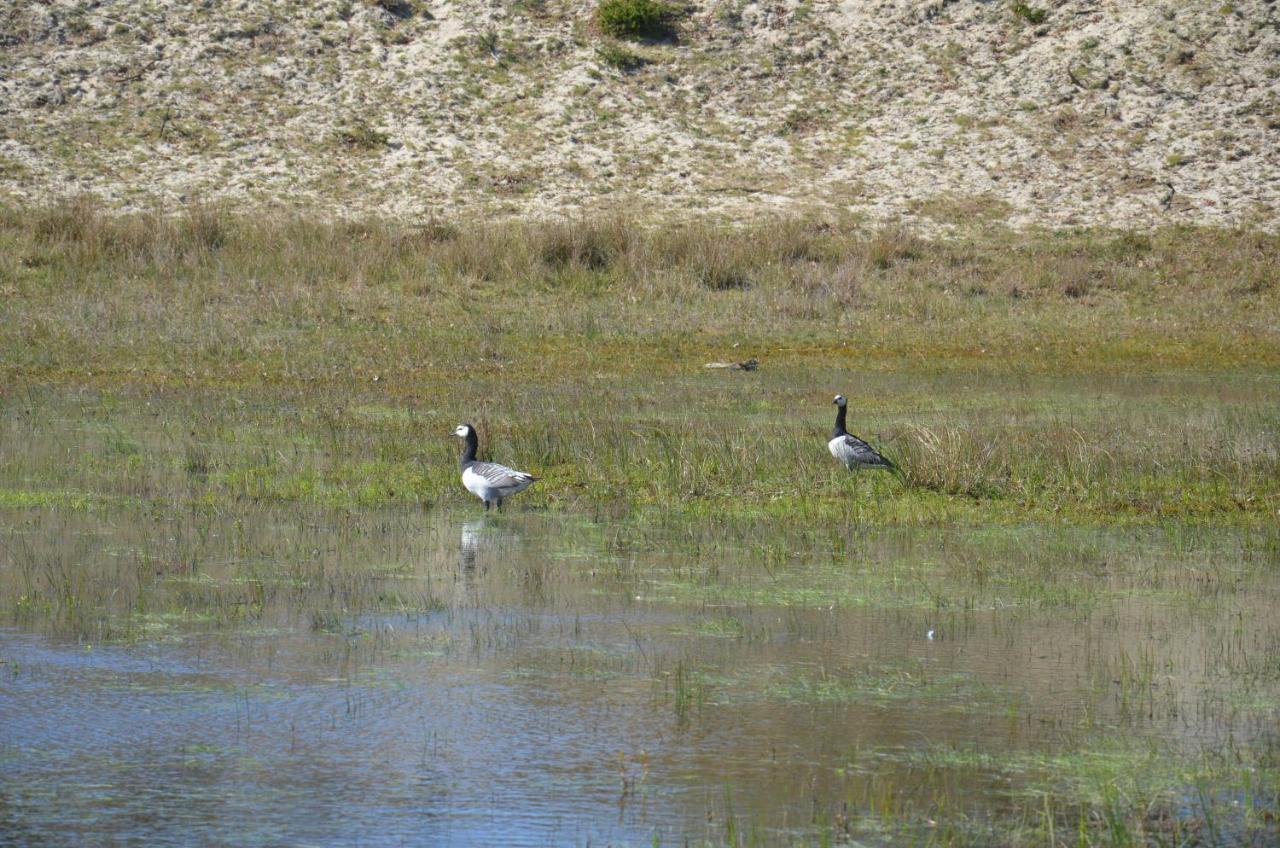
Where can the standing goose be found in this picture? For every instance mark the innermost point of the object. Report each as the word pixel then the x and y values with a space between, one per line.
pixel 488 481
pixel 851 450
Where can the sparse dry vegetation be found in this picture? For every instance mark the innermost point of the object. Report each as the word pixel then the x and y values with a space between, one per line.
pixel 395 108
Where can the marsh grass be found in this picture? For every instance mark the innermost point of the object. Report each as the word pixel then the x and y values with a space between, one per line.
pixel 206 361
pixel 792 620
pixel 891 291
pixel 577 346
pixel 1107 791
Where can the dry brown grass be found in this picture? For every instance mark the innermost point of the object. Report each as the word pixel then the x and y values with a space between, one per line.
pixel 216 281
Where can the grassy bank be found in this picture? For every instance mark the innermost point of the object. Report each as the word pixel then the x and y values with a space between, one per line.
pixel 1081 377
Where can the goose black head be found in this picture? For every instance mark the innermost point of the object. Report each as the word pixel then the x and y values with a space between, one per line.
pixel 839 400
pixel 463 430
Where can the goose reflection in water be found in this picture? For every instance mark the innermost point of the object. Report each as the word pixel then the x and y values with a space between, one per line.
pixel 469 541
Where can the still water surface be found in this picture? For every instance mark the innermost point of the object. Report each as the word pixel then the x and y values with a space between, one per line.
pixel 448 679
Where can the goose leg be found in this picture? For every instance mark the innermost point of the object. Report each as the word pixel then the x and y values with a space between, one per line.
pixel 499 504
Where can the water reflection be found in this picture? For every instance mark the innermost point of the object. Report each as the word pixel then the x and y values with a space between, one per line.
pixel 469 542
pixel 534 679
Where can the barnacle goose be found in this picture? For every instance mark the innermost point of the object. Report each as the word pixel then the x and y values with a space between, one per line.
pixel 488 481
pixel 851 450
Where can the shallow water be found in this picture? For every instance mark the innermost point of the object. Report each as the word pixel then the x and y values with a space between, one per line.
pixel 400 677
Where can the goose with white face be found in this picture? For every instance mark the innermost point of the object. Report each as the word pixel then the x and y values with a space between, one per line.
pixel 848 448
pixel 488 481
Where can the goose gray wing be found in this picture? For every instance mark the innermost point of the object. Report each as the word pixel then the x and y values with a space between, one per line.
pixel 853 451
pixel 502 477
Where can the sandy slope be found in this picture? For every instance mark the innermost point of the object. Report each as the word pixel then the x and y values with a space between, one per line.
pixel 947 110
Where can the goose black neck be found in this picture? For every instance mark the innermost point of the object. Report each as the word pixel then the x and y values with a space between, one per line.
pixel 839 430
pixel 469 449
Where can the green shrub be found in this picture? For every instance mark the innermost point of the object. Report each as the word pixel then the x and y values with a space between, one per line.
pixel 359 135
pixel 1030 14
pixel 635 18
